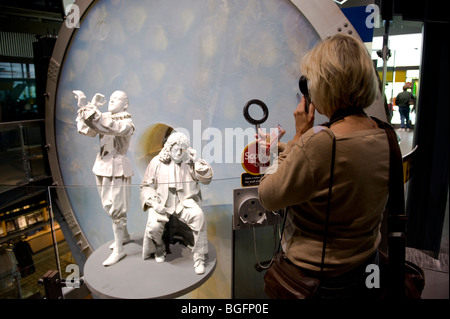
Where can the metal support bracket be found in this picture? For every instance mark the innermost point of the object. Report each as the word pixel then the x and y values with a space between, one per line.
pixel 248 211
pixel 53 284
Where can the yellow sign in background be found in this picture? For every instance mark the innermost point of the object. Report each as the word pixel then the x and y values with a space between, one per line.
pixel 400 76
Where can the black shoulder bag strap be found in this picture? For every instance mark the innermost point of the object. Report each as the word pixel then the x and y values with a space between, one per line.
pixel 396 216
pixel 327 216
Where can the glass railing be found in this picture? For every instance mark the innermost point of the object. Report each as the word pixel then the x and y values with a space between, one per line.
pixel 92 230
pixel 96 226
pixel 22 154
pixel 26 245
pixel 68 228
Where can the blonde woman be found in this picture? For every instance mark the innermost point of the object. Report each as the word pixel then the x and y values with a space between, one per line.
pixel 341 83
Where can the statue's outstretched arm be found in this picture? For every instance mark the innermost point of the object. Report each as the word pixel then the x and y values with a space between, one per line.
pixel 98 100
pixel 81 98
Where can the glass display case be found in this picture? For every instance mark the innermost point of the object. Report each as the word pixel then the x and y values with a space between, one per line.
pixel 96 224
pixel 234 252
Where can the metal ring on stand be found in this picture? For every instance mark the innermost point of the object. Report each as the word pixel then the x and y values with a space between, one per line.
pixel 250 119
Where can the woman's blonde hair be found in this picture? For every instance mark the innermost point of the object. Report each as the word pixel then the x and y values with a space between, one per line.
pixel 340 74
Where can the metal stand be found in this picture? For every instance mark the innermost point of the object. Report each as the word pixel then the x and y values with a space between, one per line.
pixel 53 284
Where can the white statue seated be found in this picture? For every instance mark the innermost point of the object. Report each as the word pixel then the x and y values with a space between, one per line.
pixel 170 187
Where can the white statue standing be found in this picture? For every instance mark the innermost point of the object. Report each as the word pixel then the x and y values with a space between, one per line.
pixel 170 187
pixel 112 168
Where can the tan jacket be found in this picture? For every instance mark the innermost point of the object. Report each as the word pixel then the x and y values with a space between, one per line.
pixel 359 196
pixel 115 132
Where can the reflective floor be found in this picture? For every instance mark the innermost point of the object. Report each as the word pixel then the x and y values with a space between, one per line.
pixel 406 140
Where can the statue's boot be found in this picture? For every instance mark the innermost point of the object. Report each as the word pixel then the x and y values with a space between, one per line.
pixel 148 247
pixel 118 253
pixel 126 238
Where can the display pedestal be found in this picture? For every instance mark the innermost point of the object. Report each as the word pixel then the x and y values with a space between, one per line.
pixel 135 278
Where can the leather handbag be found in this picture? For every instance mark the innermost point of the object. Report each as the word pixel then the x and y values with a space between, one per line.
pixel 284 280
pixel 414 280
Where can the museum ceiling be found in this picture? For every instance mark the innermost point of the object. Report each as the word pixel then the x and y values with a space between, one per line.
pixel 44 17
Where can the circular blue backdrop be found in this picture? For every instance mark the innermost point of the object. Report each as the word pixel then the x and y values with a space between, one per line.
pixel 186 64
